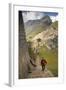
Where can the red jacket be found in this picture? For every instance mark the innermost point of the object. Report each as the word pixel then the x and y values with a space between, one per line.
pixel 43 62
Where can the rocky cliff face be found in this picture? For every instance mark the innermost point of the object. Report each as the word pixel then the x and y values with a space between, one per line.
pixel 49 38
pixel 24 59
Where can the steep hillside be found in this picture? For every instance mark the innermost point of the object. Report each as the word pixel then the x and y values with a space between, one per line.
pixel 42 38
pixel 43 29
pixel 36 26
pixel 49 38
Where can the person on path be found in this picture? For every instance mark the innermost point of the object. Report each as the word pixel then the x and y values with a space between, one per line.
pixel 43 63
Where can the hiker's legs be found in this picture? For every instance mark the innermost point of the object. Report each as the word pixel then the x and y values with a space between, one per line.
pixel 43 67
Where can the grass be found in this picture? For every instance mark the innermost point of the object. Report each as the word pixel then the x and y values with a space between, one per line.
pixel 50 55
pixel 32 34
pixel 52 58
pixel 55 25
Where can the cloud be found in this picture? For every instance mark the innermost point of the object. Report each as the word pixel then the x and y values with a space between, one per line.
pixel 32 15
pixel 54 18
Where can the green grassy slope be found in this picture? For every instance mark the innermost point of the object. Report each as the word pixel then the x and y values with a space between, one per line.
pixel 50 55
pixel 52 58
pixel 35 32
pixel 55 25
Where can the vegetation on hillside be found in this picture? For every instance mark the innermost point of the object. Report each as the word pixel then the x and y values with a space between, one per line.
pixel 50 55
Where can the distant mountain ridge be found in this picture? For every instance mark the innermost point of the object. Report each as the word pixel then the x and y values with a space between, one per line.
pixel 32 25
pixel 46 20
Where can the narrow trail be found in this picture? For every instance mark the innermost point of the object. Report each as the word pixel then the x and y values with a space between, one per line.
pixel 38 73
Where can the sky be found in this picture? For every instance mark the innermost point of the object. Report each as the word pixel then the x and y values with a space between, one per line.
pixel 30 15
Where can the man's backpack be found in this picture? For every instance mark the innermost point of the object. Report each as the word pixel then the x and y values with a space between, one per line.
pixel 43 62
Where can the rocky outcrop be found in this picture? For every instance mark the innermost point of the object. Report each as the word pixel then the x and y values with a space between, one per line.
pixel 24 58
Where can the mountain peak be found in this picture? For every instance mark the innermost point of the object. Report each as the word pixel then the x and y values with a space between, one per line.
pixel 46 20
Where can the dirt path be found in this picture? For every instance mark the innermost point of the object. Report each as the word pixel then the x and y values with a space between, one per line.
pixel 37 73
